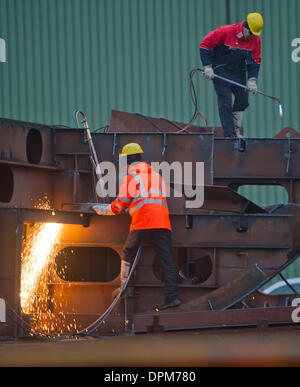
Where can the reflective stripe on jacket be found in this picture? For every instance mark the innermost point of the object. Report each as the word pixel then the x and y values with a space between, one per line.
pixel 143 193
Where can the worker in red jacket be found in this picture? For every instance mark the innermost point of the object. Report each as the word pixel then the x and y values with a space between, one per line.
pixel 233 52
pixel 143 195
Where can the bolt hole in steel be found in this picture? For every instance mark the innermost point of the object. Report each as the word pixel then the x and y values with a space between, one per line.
pixel 192 271
pixel 241 230
pixel 87 264
pixel 34 146
pixel 6 184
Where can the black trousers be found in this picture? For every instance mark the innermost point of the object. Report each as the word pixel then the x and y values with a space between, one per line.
pixel 162 244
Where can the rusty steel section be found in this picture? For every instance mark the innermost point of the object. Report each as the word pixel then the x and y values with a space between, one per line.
pixel 225 251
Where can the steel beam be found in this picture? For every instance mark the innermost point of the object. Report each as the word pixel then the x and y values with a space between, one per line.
pixel 214 319
pixel 53 216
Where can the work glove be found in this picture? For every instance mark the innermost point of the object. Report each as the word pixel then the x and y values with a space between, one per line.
pixel 103 209
pixel 208 72
pixel 252 85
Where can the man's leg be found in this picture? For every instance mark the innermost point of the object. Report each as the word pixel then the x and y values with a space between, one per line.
pixel 134 240
pixel 240 104
pixel 224 94
pixel 162 243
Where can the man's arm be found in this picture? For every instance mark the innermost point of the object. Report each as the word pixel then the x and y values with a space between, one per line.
pixel 120 204
pixel 253 66
pixel 211 40
pixel 125 195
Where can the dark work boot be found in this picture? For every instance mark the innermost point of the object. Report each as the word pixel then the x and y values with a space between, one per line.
pixel 170 304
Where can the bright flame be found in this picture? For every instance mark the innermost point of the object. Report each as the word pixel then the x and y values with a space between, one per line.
pixel 39 252
pixel 46 310
pixel 280 110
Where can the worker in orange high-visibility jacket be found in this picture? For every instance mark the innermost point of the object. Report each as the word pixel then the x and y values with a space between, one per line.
pixel 143 195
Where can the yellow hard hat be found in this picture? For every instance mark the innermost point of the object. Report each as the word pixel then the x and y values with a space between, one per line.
pixel 132 148
pixel 255 22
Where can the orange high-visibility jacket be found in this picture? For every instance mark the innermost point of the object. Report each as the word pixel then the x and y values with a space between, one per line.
pixel 143 192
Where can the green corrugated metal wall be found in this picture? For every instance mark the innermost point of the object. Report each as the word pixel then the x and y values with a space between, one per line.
pixel 136 56
pixel 99 55
pixel 279 75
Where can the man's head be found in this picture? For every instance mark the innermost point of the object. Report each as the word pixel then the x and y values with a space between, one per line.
pixel 132 152
pixel 253 25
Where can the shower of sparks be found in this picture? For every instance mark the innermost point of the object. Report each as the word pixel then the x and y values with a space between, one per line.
pixel 39 252
pixel 46 311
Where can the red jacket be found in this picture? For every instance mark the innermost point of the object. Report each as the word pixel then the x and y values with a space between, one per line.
pixel 143 193
pixel 226 47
